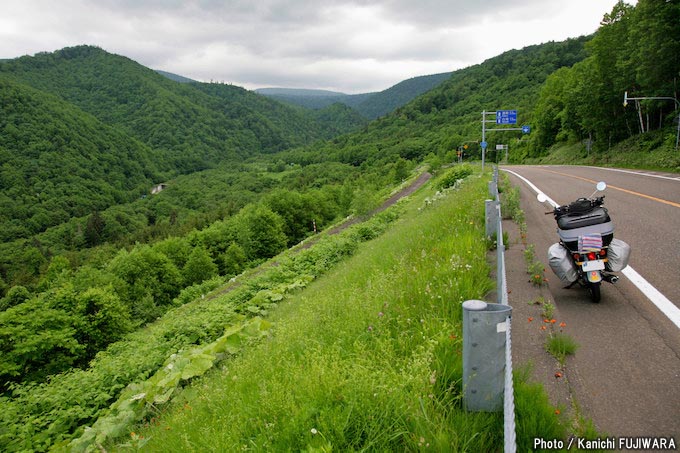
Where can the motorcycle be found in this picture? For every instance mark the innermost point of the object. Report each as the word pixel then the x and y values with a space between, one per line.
pixel 587 252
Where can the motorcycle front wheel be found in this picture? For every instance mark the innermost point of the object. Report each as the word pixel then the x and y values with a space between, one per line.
pixel 594 290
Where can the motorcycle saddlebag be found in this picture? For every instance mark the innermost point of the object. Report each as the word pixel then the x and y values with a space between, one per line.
pixel 561 264
pixel 578 220
pixel 618 255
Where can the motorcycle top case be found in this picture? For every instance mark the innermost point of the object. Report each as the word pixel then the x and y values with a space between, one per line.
pixel 572 221
pixel 570 237
pixel 618 255
pixel 561 263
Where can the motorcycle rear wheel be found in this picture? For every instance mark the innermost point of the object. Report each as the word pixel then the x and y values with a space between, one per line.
pixel 594 290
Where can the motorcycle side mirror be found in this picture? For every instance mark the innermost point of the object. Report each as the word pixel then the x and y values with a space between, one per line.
pixel 541 197
pixel 601 186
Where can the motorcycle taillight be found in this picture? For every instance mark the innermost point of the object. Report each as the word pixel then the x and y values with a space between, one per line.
pixel 592 256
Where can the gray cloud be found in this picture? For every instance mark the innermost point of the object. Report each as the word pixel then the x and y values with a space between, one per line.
pixel 347 45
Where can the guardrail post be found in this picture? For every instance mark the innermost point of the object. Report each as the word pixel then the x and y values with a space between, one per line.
pixel 491 218
pixel 484 355
pixel 493 189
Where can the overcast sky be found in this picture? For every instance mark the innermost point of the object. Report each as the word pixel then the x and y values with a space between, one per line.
pixel 343 45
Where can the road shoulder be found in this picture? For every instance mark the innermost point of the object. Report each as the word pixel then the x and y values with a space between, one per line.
pixel 530 331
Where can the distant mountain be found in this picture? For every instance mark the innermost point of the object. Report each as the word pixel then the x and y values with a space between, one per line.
pixel 386 101
pixel 298 92
pixel 175 77
pixel 369 105
pixel 313 99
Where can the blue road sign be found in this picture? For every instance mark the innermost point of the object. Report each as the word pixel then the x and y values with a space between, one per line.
pixel 506 117
pixel 526 129
pixel 483 145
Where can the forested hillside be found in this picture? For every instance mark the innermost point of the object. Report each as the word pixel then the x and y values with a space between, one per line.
pixel 196 125
pixel 59 162
pixel 636 50
pixel 84 130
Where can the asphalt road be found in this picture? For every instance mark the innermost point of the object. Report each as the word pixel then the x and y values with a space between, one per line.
pixel 626 374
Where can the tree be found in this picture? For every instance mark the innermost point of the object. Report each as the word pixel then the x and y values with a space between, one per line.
pixel 94 229
pixel 105 318
pixel 199 267
pixel 654 40
pixel 149 279
pixel 290 206
pixel 261 232
pixel 59 268
pixel 234 259
pixel 36 341
pixel 550 112
pixel 15 296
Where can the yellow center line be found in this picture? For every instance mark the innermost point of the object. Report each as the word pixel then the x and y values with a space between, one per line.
pixel 660 200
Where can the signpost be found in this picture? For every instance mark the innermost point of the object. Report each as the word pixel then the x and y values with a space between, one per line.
pixel 502 117
pixel 502 148
pixel 506 117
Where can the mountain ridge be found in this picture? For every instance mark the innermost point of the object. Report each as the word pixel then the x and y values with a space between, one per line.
pixel 370 105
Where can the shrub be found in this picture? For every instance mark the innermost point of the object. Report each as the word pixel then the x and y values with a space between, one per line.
pixel 454 174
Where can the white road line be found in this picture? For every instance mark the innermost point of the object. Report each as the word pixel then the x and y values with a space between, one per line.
pixel 652 175
pixel 667 307
pixel 531 184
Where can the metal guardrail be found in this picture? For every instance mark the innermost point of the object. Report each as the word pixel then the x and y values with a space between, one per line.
pixel 495 223
pixel 487 353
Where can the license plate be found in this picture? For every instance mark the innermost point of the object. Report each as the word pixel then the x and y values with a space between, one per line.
pixel 596 265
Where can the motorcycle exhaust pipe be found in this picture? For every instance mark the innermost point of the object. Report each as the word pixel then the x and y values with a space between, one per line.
pixel 610 278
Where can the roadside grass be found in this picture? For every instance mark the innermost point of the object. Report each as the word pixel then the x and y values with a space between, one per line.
pixel 535 416
pixel 560 345
pixel 367 357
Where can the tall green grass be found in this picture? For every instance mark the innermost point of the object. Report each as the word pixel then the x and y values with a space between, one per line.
pixel 368 357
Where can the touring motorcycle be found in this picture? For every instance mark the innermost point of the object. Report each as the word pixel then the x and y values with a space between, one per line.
pixel 587 252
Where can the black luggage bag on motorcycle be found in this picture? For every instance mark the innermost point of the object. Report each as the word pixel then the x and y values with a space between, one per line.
pixel 583 218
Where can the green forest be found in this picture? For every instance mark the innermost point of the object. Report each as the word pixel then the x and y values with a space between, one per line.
pixel 88 255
